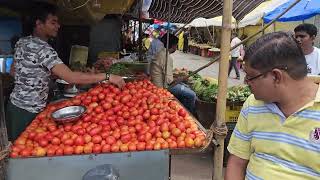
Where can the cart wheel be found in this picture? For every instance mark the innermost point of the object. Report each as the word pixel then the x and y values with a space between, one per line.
pixel 102 172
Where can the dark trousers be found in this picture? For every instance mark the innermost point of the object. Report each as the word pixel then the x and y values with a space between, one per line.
pixel 185 95
pixel 233 64
pixel 17 120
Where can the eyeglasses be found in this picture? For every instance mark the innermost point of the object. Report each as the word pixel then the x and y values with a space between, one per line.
pixel 247 80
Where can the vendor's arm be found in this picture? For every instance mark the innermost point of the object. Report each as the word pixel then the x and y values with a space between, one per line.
pixel 236 168
pixel 12 70
pixel 65 73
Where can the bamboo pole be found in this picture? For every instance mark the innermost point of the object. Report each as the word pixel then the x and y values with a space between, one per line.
pixel 140 31
pixel 211 37
pixel 167 47
pixel 262 24
pixel 242 42
pixel 199 34
pixel 222 90
pixel 213 34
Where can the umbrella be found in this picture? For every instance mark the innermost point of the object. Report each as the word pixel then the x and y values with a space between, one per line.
pixel 305 9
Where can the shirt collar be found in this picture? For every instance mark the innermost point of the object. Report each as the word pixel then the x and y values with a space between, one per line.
pixel 275 109
pixel 317 99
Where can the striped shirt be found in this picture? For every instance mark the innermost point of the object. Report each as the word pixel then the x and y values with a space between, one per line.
pixel 278 147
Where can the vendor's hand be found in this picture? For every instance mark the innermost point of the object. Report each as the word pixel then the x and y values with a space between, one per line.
pixel 240 59
pixel 116 80
pixel 142 76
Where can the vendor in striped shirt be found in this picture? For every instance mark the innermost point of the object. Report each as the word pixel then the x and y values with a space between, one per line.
pixel 277 135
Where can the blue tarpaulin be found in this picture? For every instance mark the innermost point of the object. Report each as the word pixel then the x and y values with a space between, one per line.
pixel 305 9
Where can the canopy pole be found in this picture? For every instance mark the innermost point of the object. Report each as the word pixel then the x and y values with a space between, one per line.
pixel 213 34
pixel 222 90
pixel 210 34
pixel 167 47
pixel 140 31
pixel 199 34
pixel 242 42
pixel 262 25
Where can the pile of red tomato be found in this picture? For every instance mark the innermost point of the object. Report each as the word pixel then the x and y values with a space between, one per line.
pixel 137 118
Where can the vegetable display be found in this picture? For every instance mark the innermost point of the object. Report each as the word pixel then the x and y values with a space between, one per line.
pixel 138 117
pixel 207 90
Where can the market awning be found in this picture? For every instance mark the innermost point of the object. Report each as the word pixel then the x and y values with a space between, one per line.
pixel 256 15
pixel 184 11
pixel 305 9
pixel 217 21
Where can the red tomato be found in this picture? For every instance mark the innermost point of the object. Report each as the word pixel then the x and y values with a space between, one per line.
pixel 154 111
pixel 87 149
pixel 68 150
pixel 141 146
pixel 111 140
pixel 126 98
pixel 59 152
pixel 107 106
pixel 182 112
pixel 101 96
pixel 115 148
pixel 124 148
pixel 132 147
pixel 79 141
pixel 189 142
pixel 94 98
pixel 98 109
pixel 96 148
pixel 173 145
pixel 81 131
pixel 95 131
pixel 157 146
pixel 43 142
pixel 14 154
pixel 87 118
pixel 96 139
pixel 25 153
pixel 126 138
pixel 78 149
pixel 93 104
pixel 106 148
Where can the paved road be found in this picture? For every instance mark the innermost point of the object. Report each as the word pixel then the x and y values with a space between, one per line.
pixel 192 62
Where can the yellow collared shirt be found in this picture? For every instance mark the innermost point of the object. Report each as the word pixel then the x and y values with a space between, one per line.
pixel 278 147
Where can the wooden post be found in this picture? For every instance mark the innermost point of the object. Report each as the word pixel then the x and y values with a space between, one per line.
pixel 213 34
pixel 140 32
pixel 134 32
pixel 167 48
pixel 222 91
pixel 262 24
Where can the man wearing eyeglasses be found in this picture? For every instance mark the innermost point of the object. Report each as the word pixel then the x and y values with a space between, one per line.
pixel 305 34
pixel 277 135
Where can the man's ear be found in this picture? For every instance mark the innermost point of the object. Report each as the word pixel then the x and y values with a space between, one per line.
pixel 313 37
pixel 38 22
pixel 278 75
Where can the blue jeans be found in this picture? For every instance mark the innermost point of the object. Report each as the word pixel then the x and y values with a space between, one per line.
pixel 185 95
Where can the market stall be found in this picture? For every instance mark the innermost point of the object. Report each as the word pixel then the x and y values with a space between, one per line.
pixel 122 152
pixel 134 129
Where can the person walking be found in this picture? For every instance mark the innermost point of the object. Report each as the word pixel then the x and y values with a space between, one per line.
pixel 236 55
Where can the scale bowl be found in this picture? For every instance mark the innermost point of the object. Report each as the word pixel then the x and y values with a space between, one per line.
pixel 68 114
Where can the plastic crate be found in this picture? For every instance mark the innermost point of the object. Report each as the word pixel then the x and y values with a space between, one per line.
pixel 206 112
pixel 105 54
pixel 232 113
